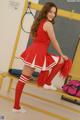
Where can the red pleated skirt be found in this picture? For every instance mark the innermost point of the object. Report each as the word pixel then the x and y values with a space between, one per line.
pixel 36 56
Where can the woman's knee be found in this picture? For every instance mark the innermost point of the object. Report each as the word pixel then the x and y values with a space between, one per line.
pixel 27 70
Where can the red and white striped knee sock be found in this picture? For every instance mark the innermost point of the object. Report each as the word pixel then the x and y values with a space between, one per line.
pixel 64 69
pixel 54 71
pixel 19 89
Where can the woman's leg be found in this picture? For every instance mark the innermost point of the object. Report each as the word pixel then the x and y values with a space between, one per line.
pixel 54 71
pixel 26 75
pixel 63 68
pixel 46 76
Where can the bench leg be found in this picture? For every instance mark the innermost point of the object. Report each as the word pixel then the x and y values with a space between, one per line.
pixel 10 84
pixel 1 80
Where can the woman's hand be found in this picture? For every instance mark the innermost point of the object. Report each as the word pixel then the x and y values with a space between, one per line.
pixel 64 57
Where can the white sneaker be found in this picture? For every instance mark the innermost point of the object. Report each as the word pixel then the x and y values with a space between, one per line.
pixel 21 110
pixel 49 87
pixel 53 88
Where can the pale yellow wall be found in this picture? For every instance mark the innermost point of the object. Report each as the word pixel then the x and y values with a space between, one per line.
pixel 9 24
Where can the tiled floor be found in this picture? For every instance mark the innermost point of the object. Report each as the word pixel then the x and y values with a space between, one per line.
pixel 39 103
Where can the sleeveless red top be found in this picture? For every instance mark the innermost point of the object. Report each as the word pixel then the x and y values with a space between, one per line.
pixel 36 54
pixel 42 36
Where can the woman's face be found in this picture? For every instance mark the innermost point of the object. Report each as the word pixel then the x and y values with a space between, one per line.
pixel 51 14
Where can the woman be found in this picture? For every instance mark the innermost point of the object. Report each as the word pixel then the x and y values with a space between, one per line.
pixel 36 56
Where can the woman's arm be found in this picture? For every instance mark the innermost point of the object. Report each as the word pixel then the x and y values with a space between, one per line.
pixel 48 27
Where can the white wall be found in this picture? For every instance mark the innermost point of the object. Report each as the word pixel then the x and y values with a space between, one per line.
pixel 10 15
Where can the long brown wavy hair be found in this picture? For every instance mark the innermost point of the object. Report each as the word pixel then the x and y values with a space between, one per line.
pixel 42 14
